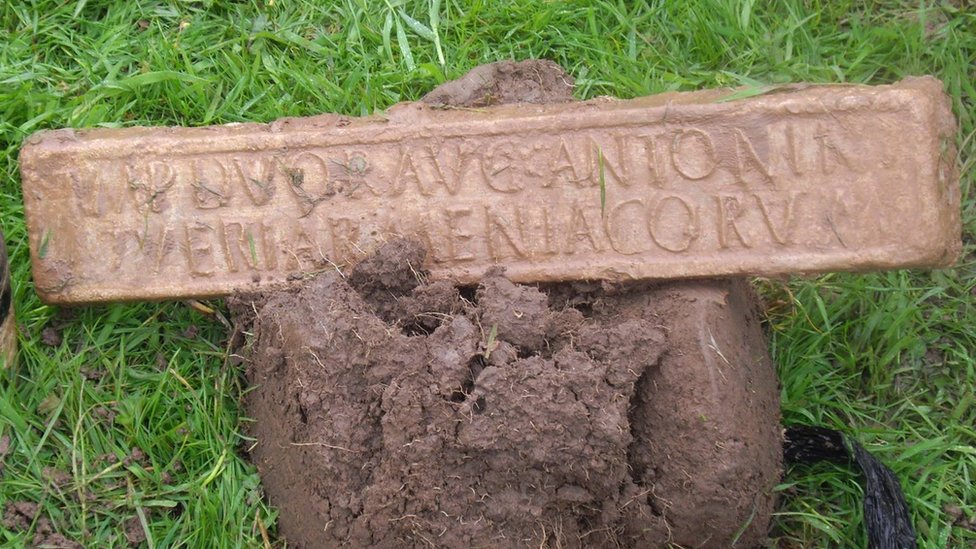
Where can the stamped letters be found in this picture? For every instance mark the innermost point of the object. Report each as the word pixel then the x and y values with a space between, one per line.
pixel 787 183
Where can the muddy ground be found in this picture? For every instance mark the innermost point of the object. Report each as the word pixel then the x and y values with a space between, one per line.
pixel 393 412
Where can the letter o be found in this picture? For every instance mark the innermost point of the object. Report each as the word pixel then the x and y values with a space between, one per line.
pixel 693 154
pixel 666 235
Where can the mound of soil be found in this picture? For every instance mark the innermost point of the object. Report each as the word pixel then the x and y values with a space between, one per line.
pixel 528 81
pixel 393 412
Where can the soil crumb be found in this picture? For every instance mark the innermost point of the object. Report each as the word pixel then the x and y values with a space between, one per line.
pixel 393 412
pixel 135 535
pixel 4 450
pixel 51 337
pixel 19 516
pixel 529 81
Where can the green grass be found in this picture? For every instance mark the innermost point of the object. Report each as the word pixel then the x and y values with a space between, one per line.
pixel 887 357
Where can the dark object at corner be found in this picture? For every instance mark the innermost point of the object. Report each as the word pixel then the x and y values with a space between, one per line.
pixel 885 510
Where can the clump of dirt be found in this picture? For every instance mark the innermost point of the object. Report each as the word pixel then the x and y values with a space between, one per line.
pixel 51 337
pixel 133 531
pixel 19 516
pixel 529 81
pixel 4 449
pixel 393 412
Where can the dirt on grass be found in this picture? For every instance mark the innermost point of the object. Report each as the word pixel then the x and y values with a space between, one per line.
pixel 529 81
pixel 4 449
pixel 19 516
pixel 393 412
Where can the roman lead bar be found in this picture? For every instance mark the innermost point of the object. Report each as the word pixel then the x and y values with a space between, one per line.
pixel 798 179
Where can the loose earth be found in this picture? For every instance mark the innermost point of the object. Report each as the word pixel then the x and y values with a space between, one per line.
pixel 393 412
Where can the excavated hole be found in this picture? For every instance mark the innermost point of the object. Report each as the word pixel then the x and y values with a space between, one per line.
pixel 414 329
pixel 522 352
pixel 480 405
pixel 585 308
pixel 469 294
pixel 475 366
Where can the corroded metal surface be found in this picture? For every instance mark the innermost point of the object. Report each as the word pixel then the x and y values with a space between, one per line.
pixel 683 185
